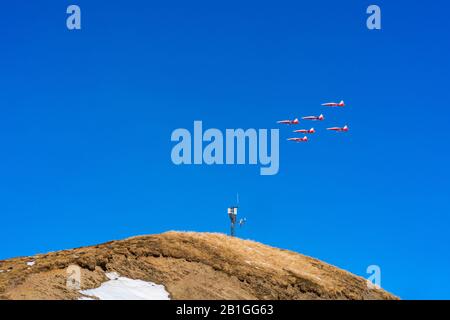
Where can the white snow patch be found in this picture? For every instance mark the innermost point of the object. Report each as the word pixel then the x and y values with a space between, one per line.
pixel 112 275
pixel 121 288
pixel 31 263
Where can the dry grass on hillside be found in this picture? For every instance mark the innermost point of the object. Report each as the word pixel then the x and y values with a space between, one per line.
pixel 191 266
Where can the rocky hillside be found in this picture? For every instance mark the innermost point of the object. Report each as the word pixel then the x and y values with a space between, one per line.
pixel 190 266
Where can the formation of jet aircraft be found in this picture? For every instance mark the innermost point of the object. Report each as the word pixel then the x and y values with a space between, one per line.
pixel 320 117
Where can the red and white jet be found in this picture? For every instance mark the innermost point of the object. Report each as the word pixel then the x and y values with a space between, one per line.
pixel 340 129
pixel 304 139
pixel 314 118
pixel 305 131
pixel 334 104
pixel 288 122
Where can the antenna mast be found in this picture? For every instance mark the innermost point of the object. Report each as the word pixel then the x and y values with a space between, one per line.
pixel 232 214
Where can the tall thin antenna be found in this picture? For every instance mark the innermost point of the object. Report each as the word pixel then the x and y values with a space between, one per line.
pixel 232 214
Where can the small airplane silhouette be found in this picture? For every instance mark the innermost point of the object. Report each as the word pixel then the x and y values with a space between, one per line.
pixel 334 104
pixel 314 118
pixel 304 139
pixel 288 122
pixel 343 129
pixel 305 131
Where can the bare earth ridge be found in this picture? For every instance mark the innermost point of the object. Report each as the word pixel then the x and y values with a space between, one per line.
pixel 190 265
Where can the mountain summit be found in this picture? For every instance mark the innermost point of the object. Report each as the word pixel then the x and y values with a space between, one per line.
pixel 181 265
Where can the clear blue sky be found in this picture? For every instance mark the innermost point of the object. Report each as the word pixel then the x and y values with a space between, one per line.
pixel 86 118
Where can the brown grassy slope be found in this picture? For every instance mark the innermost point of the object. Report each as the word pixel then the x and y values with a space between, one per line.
pixel 191 266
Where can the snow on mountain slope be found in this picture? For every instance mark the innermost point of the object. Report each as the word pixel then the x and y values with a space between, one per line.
pixel 122 288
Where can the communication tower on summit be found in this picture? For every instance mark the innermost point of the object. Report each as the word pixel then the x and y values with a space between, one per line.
pixel 232 214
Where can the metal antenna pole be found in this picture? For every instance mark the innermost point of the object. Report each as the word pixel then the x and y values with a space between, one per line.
pixel 233 232
pixel 232 214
